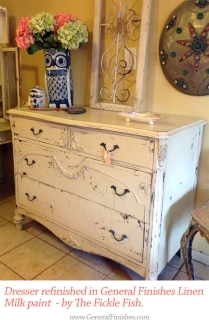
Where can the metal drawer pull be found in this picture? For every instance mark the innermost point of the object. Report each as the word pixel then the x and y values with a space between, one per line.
pixel 115 189
pixel 39 132
pixel 106 149
pixel 33 162
pixel 28 196
pixel 118 239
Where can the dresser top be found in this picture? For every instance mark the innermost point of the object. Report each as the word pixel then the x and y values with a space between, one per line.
pixel 112 121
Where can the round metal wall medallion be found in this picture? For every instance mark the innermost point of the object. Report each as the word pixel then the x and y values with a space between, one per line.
pixel 184 48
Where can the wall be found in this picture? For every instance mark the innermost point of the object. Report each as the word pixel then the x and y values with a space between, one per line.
pixel 159 95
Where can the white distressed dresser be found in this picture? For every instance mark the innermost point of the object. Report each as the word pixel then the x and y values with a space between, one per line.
pixel 123 190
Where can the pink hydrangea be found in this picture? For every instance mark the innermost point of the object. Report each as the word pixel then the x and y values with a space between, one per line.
pixel 24 37
pixel 61 19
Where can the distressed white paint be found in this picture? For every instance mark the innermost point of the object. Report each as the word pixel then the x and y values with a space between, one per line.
pixel 157 163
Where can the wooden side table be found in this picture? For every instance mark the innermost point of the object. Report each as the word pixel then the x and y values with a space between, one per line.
pixel 199 223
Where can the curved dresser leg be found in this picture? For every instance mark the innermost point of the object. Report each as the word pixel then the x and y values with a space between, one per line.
pixel 18 220
pixel 186 247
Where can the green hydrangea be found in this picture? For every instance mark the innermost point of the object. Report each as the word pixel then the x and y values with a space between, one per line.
pixel 72 35
pixel 42 23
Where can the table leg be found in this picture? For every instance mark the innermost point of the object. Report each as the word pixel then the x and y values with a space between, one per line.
pixel 186 247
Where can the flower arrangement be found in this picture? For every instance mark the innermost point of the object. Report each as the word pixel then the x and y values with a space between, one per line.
pixel 62 31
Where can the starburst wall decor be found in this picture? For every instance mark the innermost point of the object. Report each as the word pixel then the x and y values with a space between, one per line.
pixel 184 48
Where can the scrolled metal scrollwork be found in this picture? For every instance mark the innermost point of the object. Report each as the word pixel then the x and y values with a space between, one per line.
pixel 121 24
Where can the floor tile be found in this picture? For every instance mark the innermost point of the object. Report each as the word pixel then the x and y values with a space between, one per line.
pixel 3 221
pixel 31 258
pixel 10 237
pixel 167 273
pixel 180 276
pixel 7 274
pixel 107 278
pixel 183 276
pixel 69 268
pixel 121 272
pixel 100 263
pixel 50 238
pixel 7 210
pixel 33 227
pixel 176 262
pixel 200 257
pixel 201 271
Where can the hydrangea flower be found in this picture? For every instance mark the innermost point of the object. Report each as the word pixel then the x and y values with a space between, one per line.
pixel 24 37
pixel 42 23
pixel 61 19
pixel 42 31
pixel 72 35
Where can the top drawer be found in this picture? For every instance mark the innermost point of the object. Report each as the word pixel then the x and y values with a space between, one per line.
pixel 126 150
pixel 41 131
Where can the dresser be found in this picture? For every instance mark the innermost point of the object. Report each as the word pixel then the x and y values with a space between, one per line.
pixel 122 190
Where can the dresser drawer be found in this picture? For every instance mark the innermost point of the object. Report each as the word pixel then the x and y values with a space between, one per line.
pixel 126 191
pixel 98 224
pixel 124 150
pixel 40 131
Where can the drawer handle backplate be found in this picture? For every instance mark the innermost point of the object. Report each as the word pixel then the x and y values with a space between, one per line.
pixel 115 189
pixel 39 132
pixel 106 149
pixel 33 162
pixel 28 196
pixel 118 239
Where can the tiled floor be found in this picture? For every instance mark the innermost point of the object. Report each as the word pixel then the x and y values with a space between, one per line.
pixel 36 254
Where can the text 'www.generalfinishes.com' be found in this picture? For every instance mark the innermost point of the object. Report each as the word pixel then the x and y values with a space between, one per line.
pixel 109 317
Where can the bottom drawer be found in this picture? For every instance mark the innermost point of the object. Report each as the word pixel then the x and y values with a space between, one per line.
pixel 125 235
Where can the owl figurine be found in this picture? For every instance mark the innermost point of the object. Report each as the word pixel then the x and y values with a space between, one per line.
pixel 58 78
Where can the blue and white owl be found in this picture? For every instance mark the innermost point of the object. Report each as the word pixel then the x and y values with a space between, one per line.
pixel 58 78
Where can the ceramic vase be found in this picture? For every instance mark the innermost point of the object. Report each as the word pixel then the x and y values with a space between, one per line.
pixel 58 78
pixel 37 98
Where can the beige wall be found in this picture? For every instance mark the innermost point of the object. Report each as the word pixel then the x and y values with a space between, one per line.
pixel 159 95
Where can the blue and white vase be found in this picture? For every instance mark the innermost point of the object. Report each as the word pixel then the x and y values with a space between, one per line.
pixel 37 97
pixel 58 78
